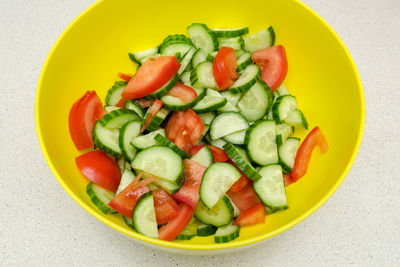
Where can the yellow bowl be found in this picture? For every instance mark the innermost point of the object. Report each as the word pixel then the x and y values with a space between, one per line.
pixel 322 75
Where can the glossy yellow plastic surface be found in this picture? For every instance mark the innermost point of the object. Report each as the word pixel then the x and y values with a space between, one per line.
pixel 322 75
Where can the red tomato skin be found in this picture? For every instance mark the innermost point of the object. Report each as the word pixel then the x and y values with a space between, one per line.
pixel 254 215
pixel 173 228
pixel 224 68
pixel 82 117
pixel 100 169
pixel 185 93
pixel 218 153
pixel 165 206
pixel 287 178
pixel 189 192
pixel 126 200
pixel 151 76
pixel 273 64
pixel 245 198
pixel 313 139
pixel 157 105
pixel 241 183
pixel 125 76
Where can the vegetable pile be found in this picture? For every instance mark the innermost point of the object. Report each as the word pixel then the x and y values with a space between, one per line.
pixel 198 141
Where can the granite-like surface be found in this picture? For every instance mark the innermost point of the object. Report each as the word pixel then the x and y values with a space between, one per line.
pixel 359 224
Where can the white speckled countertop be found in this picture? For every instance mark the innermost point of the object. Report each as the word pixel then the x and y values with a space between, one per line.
pixel 41 225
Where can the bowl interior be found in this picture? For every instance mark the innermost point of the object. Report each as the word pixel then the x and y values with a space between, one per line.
pixel 321 75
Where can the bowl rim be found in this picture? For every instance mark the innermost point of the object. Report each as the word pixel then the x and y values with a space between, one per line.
pixel 183 246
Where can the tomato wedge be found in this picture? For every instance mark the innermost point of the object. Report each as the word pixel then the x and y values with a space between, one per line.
pixel 157 105
pixel 313 139
pixel 218 153
pixel 151 76
pixel 251 216
pixel 245 198
pixel 100 169
pixel 126 200
pixel 189 192
pixel 287 178
pixel 273 64
pixel 144 103
pixel 125 76
pixel 241 183
pixel 185 93
pixel 224 68
pixel 173 228
pixel 82 117
pixel 165 206
pixel 184 128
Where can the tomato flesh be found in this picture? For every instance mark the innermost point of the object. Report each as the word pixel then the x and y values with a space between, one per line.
pixel 173 228
pixel 125 76
pixel 183 92
pixel 157 105
pixel 224 67
pixel 144 103
pixel 184 128
pixel 273 64
pixel 245 198
pixel 254 215
pixel 151 76
pixel 165 206
pixel 313 139
pixel 189 192
pixel 82 117
pixel 100 169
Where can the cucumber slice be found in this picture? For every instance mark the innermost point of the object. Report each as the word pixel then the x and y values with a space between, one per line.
pixel 100 197
pixel 271 188
pixel 207 118
pixel 127 177
pixel 255 103
pixel 247 79
pixel 157 120
pixel 163 90
pixel 128 131
pixel 236 211
pixel 174 44
pixel 143 60
pixel 176 104
pixel 236 42
pixel 259 40
pixel 236 156
pixel 159 161
pixel 185 78
pixel 122 164
pixel 218 143
pixel 114 94
pixel 171 187
pixel 206 229
pixel 226 233
pixel 199 57
pixel 132 105
pixel 219 215
pixel 186 60
pixel 128 222
pixel 287 153
pixel 203 77
pixel 283 106
pixel 138 56
pixel 243 61
pixel 204 157
pixel 296 118
pixel 163 141
pixel 232 32
pixel 147 140
pixel 228 108
pixel 227 123
pixel 236 138
pixel 186 234
pixel 211 56
pixel 261 143
pixel 202 37
pixel 243 153
pixel 110 109
pixel 283 131
pixel 175 38
pixel 106 139
pixel 217 179
pixel 210 102
pixel 115 119
pixel 282 90
pixel 144 216
pixel 232 98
